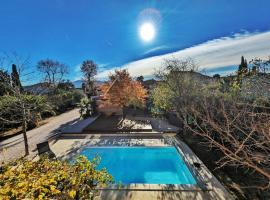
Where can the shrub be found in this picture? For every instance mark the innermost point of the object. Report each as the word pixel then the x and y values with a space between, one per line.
pixel 161 97
pixel 63 100
pixel 85 107
pixel 52 179
pixel 12 110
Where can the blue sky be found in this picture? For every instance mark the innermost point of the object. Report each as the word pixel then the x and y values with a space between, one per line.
pixel 107 32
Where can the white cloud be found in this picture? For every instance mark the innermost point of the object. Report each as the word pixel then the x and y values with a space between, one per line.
pixel 156 49
pixel 102 66
pixel 220 52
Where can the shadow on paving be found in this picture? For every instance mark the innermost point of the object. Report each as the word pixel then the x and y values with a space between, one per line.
pixel 118 124
pixel 91 140
pixel 165 194
pixel 55 133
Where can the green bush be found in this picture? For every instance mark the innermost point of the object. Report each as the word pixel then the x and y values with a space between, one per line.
pixel 161 97
pixel 63 100
pixel 13 107
pixel 52 179
pixel 85 107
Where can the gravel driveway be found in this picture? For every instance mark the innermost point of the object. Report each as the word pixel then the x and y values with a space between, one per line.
pixel 14 147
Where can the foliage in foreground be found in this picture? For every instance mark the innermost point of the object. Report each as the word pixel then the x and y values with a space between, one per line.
pixel 52 179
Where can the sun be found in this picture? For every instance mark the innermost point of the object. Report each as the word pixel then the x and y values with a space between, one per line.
pixel 147 31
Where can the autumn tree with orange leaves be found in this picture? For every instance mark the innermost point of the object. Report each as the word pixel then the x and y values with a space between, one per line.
pixel 122 90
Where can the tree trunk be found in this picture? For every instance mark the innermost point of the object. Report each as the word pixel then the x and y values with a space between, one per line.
pixel 24 132
pixel 25 140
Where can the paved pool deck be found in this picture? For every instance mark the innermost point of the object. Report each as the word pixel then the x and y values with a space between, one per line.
pixel 209 187
pixel 13 148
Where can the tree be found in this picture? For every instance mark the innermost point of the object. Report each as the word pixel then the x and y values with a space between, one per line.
pixel 53 71
pixel 22 109
pixel 243 67
pixel 217 76
pixel 62 100
pixel 182 86
pixel 22 62
pixel 161 96
pixel 121 90
pixel 140 78
pixel 234 128
pixel 21 68
pixel 18 108
pixel 89 70
pixel 66 85
pixel 239 131
pixel 5 82
pixel 16 78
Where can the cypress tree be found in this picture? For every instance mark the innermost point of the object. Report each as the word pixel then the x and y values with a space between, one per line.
pixel 243 67
pixel 16 78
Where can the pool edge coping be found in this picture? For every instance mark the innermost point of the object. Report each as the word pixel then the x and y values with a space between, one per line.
pixel 214 187
pixel 152 187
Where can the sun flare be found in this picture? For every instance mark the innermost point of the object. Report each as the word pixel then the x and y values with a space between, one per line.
pixel 147 32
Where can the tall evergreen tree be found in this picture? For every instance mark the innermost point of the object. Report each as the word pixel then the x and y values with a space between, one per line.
pixel 16 83
pixel 243 67
pixel 240 68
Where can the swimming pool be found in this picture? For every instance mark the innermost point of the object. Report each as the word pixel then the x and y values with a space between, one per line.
pixel 142 165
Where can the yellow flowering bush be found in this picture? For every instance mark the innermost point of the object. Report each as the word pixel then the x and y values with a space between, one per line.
pixel 52 179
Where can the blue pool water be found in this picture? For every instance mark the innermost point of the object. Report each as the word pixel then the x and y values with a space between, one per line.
pixel 151 165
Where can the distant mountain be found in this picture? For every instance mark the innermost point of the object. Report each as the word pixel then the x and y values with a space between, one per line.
pixel 39 88
pixel 78 83
pixel 151 83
